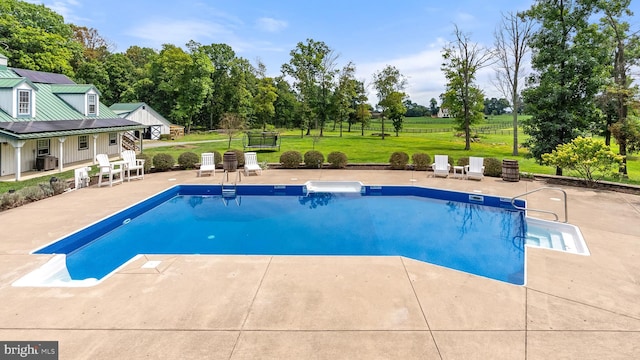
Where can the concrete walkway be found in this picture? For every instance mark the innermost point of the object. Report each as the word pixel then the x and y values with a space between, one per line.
pixel 289 307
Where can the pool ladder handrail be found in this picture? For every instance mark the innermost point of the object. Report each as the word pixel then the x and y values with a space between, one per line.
pixel 230 191
pixel 566 216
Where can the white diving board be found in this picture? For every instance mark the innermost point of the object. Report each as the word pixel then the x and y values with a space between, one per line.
pixel 334 186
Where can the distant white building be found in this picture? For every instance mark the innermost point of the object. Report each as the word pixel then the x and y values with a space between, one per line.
pixel 155 124
pixel 443 113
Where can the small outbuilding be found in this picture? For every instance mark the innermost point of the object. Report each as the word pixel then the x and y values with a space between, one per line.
pixel 155 124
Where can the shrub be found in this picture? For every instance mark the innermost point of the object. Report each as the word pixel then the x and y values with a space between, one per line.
pixel 239 156
pixel 59 187
pixel 147 161
pixel 32 193
pixel 188 160
pixel 10 200
pixel 313 159
pixel 163 161
pixel 217 157
pixel 47 189
pixel 591 159
pixel 463 161
pixel 399 160
pixel 421 161
pixel 337 160
pixel 492 167
pixel 290 159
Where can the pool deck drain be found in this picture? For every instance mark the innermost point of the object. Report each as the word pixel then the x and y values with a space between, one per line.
pixel 244 307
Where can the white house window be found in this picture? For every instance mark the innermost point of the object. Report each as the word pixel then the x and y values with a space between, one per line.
pixel 43 147
pixel 24 102
pixel 113 139
pixel 92 104
pixel 83 142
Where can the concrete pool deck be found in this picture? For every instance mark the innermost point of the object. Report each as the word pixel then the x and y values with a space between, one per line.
pixel 289 307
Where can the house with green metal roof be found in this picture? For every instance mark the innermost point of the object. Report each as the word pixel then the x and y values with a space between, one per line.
pixel 46 120
pixel 155 124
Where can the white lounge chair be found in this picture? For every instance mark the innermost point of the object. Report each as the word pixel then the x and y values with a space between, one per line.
pixel 131 163
pixel 441 166
pixel 207 164
pixel 251 163
pixel 112 169
pixel 475 169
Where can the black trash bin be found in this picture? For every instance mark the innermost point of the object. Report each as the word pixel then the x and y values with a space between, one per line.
pixel 230 161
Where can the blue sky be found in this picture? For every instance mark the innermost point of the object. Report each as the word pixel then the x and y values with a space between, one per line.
pixel 408 34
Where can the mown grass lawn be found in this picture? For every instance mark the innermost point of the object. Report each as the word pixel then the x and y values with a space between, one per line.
pixel 372 149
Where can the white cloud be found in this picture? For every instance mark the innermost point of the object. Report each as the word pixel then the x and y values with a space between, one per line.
pixel 425 80
pixel 271 25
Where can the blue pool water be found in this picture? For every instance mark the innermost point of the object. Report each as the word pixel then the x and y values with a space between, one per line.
pixel 481 235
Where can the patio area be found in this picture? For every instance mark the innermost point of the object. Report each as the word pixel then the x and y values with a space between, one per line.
pixel 295 307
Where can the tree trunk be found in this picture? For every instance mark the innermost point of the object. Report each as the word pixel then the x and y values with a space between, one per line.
pixel 382 120
pixel 558 171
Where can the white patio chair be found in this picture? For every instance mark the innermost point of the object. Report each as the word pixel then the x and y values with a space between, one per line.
pixel 441 166
pixel 207 164
pixel 251 164
pixel 112 169
pixel 475 169
pixel 131 163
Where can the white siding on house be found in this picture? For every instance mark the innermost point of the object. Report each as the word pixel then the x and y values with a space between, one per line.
pixel 7 100
pixel 77 101
pixel 70 149
pixel 149 118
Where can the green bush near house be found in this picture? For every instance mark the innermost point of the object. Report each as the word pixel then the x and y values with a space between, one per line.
pixel 163 162
pixel 421 161
pixel 313 159
pixel 188 160
pixel 337 160
pixel 399 160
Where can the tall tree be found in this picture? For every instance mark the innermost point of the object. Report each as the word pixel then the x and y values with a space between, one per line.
pixel 344 95
pixel 312 68
pixel 223 59
pixel 511 47
pixel 286 105
pixel 463 98
pixel 569 69
pixel 626 53
pixel 264 100
pixel 95 46
pixel 433 107
pixel 387 82
pixel 121 78
pixel 36 38
pixel 394 109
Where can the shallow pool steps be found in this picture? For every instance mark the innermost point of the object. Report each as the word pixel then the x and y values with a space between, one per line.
pixel 555 236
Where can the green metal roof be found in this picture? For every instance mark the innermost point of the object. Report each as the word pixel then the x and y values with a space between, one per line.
pixel 52 108
pixel 72 89
pixel 11 82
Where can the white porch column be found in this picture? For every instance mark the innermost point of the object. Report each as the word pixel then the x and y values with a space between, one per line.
pixel 95 147
pixel 61 141
pixel 120 143
pixel 17 146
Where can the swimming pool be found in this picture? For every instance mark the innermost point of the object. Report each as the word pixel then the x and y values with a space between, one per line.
pixel 478 234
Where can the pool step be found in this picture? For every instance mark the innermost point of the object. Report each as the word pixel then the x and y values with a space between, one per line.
pixel 555 236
